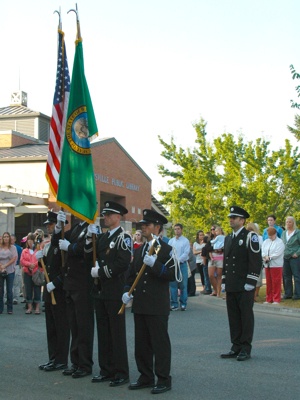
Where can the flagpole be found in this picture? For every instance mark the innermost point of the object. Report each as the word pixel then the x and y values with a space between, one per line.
pixel 63 96
pixel 59 18
pixel 77 21
pixel 79 38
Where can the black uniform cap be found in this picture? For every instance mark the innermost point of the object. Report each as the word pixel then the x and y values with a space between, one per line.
pixel 51 218
pixel 113 208
pixel 150 216
pixel 236 211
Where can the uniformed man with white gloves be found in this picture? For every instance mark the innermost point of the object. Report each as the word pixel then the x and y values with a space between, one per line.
pixel 151 306
pixel 114 251
pixel 57 327
pixel 77 284
pixel 241 268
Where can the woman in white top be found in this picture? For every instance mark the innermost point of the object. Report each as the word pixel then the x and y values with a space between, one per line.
pixel 215 268
pixel 197 251
pixel 272 254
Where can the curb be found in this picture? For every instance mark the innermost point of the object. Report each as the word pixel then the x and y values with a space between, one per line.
pixel 262 308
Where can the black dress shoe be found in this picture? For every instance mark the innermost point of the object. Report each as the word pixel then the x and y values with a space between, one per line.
pixel 243 356
pixel 80 373
pixel 47 364
pixel 118 382
pixel 70 371
pixel 101 378
pixel 55 367
pixel 160 389
pixel 230 354
pixel 140 385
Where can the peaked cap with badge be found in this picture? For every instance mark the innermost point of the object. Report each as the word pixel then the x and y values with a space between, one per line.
pixel 150 216
pixel 113 208
pixel 236 211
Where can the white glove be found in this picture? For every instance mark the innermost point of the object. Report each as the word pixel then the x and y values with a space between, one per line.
pixel 39 254
pixel 248 287
pixel 223 286
pixel 94 270
pixel 61 217
pixel 50 286
pixel 64 244
pixel 92 228
pixel 150 260
pixel 126 298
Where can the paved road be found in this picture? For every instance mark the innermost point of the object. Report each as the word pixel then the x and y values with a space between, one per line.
pixel 198 336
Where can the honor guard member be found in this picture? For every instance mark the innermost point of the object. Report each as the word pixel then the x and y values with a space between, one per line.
pixel 77 284
pixel 57 327
pixel 241 269
pixel 113 251
pixel 151 306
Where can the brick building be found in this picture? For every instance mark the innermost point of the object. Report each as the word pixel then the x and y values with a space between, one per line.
pixel 25 195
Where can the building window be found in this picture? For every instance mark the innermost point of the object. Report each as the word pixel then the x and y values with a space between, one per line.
pixel 133 210
pixel 139 211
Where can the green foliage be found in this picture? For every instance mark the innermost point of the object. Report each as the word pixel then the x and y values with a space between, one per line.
pixel 206 180
pixel 295 75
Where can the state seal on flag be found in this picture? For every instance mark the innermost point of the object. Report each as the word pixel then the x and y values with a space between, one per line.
pixel 77 131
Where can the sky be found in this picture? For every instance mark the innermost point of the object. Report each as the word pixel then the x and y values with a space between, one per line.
pixel 156 67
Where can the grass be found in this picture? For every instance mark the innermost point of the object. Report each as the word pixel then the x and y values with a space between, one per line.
pixel 286 303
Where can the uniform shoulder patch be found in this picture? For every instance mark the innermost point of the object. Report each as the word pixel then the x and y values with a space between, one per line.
pixel 127 241
pixel 254 238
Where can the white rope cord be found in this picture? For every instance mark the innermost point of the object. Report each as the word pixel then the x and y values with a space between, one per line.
pixel 250 241
pixel 178 274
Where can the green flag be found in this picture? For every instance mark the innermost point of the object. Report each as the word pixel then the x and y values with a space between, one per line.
pixel 76 186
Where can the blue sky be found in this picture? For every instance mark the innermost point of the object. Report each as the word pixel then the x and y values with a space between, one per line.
pixel 154 67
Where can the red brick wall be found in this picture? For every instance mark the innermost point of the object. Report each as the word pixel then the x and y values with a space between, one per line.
pixel 115 167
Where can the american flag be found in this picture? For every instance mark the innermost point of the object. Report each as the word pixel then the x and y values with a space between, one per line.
pixel 59 115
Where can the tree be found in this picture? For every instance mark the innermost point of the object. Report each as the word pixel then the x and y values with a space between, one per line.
pixel 295 131
pixel 206 180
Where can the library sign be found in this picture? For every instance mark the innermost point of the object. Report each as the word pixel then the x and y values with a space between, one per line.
pixel 117 182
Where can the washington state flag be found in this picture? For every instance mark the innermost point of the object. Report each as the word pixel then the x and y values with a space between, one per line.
pixel 76 187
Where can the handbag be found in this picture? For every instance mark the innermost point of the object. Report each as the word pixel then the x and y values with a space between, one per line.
pixel 38 278
pixel 3 274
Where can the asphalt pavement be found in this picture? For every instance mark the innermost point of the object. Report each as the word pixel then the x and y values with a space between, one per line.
pixel 198 336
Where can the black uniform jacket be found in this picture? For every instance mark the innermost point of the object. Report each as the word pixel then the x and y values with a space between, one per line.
pixel 52 261
pixel 113 256
pixel 77 274
pixel 151 295
pixel 242 261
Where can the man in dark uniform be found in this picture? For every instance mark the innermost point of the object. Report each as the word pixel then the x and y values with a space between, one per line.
pixel 151 306
pixel 241 269
pixel 77 284
pixel 113 251
pixel 57 327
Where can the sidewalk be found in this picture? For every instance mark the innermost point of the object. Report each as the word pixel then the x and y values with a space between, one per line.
pixel 280 309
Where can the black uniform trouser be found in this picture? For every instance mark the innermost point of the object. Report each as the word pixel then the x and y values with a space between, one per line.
pixel 58 332
pixel 152 341
pixel 81 319
pixel 241 319
pixel 112 346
